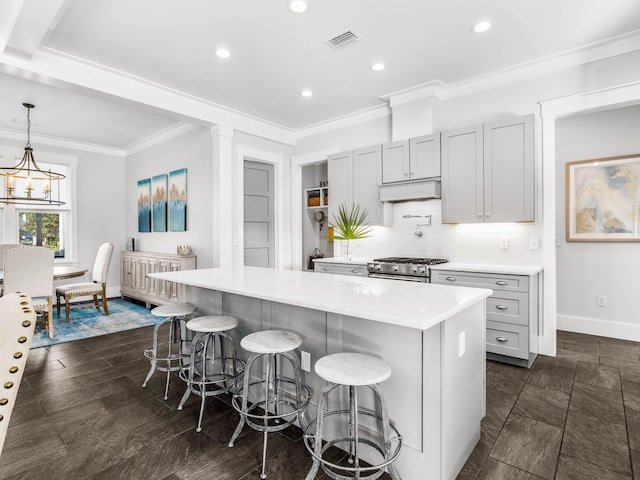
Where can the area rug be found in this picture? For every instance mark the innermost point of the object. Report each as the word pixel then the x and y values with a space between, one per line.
pixel 88 322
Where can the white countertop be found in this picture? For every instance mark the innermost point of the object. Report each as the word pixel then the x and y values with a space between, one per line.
pixel 406 304
pixel 489 268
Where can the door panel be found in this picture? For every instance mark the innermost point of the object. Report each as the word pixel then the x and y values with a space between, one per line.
pixel 259 226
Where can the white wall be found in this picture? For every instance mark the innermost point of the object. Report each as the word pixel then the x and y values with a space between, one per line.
pixel 193 151
pixel 588 269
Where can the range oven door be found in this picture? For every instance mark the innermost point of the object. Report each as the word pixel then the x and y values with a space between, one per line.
pixel 406 278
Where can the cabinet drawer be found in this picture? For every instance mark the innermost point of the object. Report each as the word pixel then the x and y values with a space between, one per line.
pixel 515 283
pixel 341 269
pixel 508 307
pixel 508 339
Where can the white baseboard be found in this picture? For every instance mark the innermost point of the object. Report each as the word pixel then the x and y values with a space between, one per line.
pixel 602 328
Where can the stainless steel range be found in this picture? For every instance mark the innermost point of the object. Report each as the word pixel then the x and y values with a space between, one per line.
pixel 403 268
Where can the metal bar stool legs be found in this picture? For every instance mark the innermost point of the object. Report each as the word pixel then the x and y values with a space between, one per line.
pixel 210 366
pixel 171 361
pixel 280 407
pixel 353 371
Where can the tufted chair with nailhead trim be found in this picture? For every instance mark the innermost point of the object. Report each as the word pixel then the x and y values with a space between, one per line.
pixel 96 288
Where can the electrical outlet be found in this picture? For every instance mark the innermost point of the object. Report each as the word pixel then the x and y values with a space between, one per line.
pixel 534 243
pixel 461 344
pixel 305 361
pixel 601 301
pixel 504 243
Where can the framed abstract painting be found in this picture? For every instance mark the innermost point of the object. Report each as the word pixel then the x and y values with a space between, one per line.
pixel 144 205
pixel 159 202
pixel 603 200
pixel 178 200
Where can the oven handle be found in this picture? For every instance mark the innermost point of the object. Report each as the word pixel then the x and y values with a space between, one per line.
pixel 406 278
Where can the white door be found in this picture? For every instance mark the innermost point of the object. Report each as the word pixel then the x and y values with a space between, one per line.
pixel 259 221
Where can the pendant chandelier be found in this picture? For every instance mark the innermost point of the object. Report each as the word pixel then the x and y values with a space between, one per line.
pixel 26 183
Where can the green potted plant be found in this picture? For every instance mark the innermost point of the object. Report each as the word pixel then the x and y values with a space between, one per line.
pixel 349 225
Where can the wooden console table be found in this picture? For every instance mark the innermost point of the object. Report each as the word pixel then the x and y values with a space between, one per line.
pixel 135 283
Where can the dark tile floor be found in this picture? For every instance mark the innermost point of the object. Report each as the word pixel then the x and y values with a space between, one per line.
pixel 81 413
pixel 575 416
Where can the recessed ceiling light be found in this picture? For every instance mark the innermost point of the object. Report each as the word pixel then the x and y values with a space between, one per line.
pixel 306 93
pixel 377 67
pixel 480 27
pixel 223 53
pixel 297 6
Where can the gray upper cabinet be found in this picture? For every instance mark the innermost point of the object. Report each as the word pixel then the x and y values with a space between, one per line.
pixel 509 170
pixel 414 159
pixel 488 173
pixel 354 178
pixel 462 176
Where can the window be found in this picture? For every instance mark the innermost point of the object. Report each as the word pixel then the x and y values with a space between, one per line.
pixel 42 229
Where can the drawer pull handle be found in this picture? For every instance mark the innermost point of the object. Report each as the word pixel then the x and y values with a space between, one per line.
pixel 501 307
pixel 451 279
pixel 501 282
pixel 355 270
pixel 502 339
pixel 326 269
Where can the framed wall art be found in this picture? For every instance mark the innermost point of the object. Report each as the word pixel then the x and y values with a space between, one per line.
pixel 159 202
pixel 144 205
pixel 178 200
pixel 603 200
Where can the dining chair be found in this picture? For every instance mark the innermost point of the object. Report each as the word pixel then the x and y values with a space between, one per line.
pixel 30 270
pixel 3 248
pixel 97 286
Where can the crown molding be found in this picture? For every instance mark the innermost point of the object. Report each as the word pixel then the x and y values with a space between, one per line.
pixel 159 137
pixel 593 52
pixel 44 140
pixel 344 121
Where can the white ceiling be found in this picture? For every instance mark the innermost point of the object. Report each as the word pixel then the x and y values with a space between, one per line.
pixel 275 54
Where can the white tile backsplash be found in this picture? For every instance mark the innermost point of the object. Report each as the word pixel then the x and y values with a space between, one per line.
pixel 459 243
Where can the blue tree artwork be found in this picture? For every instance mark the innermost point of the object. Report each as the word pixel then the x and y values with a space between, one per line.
pixel 159 202
pixel 178 200
pixel 144 205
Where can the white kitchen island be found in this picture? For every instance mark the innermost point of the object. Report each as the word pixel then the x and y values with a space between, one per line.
pixel 433 336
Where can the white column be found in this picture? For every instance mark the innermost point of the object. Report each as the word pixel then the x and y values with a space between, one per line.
pixel 222 198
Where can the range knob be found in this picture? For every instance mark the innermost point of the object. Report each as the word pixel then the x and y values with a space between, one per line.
pixel 377 266
pixel 414 269
pixel 394 268
pixel 421 270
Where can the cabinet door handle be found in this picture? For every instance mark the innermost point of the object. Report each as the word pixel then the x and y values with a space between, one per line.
pixel 501 283
pixel 326 269
pixel 478 214
pixel 411 173
pixel 406 174
pixel 355 270
pixel 501 307
pixel 451 279
pixel 502 339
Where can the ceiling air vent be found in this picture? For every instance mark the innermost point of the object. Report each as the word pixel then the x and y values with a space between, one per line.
pixel 342 39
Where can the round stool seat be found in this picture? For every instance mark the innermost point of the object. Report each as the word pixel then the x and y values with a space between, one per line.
pixel 212 324
pixel 174 310
pixel 271 341
pixel 356 369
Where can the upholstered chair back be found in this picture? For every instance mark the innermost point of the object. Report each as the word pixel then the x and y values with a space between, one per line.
pixel 29 270
pixel 101 265
pixel 3 248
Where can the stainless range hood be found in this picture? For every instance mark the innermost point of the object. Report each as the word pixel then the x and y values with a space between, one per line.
pixel 404 192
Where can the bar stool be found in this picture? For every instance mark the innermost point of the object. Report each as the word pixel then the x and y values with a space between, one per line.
pixel 175 314
pixel 209 366
pixel 280 407
pixel 353 370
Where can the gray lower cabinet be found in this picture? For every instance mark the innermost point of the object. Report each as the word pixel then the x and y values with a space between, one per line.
pixel 488 173
pixel 512 312
pixel 134 282
pixel 341 268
